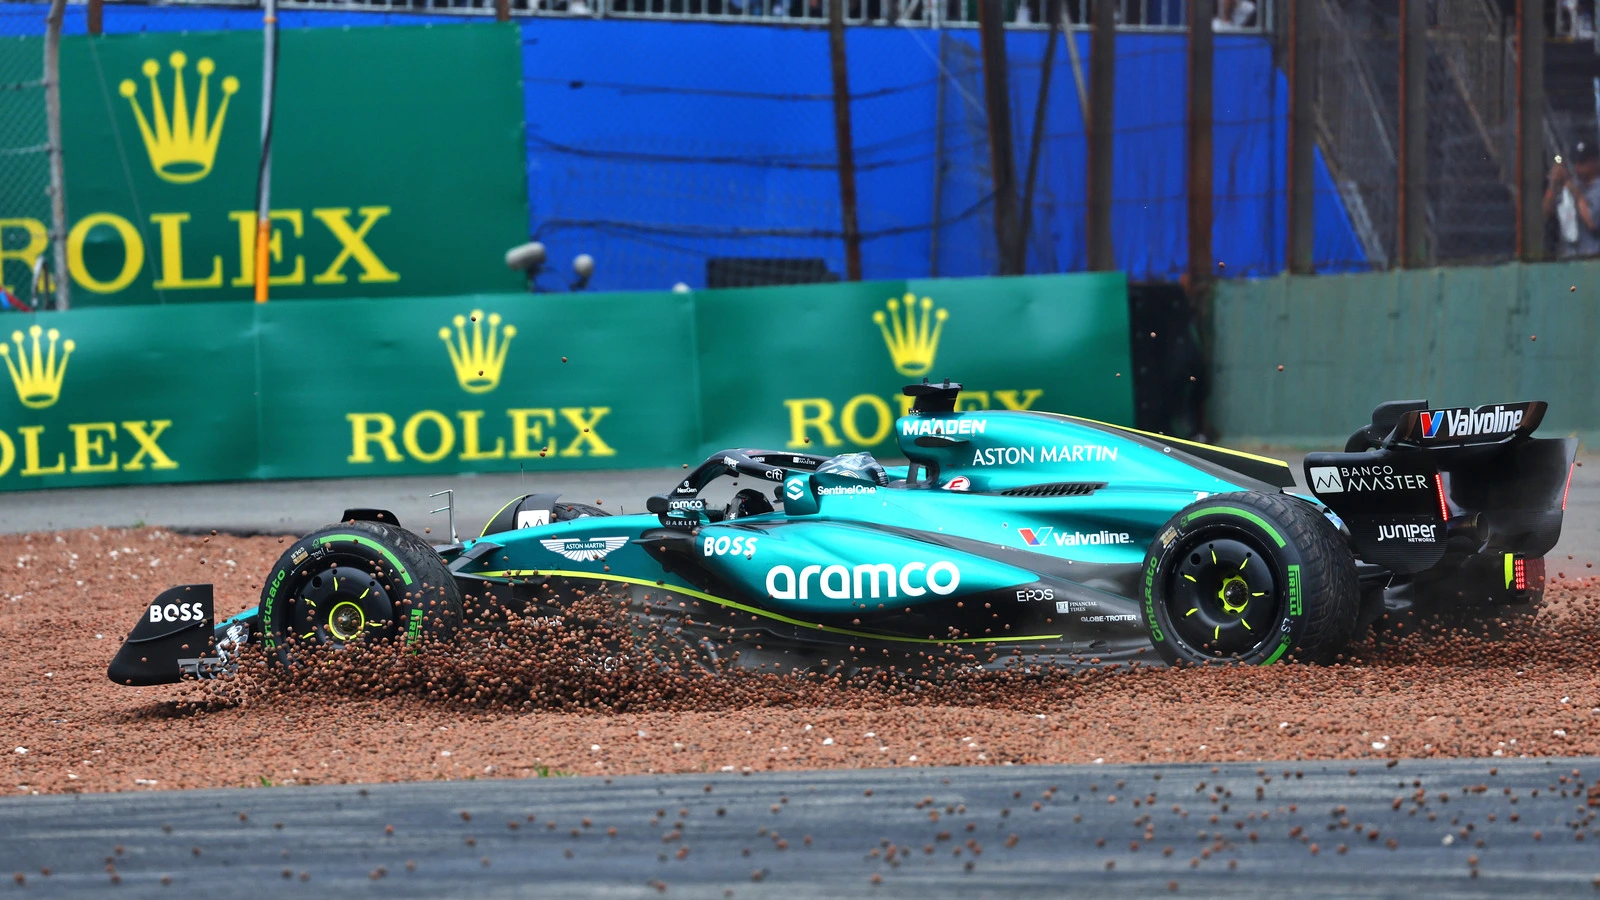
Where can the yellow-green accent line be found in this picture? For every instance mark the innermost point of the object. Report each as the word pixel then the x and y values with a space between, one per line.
pixel 721 601
pixel 1276 653
pixel 405 575
pixel 1511 569
pixel 485 531
pixel 1245 514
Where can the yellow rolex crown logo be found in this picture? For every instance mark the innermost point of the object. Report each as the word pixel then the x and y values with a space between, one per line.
pixel 477 360
pixel 912 339
pixel 37 375
pixel 182 145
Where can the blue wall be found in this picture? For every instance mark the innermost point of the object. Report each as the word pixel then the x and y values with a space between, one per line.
pixel 657 145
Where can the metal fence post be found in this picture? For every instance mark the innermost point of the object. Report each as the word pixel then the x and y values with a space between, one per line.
pixel 1530 130
pixel 1202 59
pixel 52 110
pixel 1413 143
pixel 844 141
pixel 1302 143
pixel 1102 95
pixel 95 16
pixel 1002 157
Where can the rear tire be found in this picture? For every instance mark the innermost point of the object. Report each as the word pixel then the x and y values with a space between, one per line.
pixel 356 583
pixel 1249 578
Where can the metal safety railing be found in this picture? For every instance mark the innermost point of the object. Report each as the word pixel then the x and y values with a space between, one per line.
pixel 1251 16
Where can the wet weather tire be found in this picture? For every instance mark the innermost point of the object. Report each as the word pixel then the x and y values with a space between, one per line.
pixel 356 583
pixel 1249 578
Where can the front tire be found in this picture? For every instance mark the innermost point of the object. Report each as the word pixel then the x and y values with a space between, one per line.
pixel 1249 578
pixel 356 583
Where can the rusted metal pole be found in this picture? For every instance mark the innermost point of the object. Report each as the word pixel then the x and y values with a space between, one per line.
pixel 1052 18
pixel 269 79
pixel 842 138
pixel 1101 127
pixel 96 16
pixel 1302 143
pixel 1413 188
pixel 1002 156
pixel 58 181
pixel 502 10
pixel 1202 64
pixel 1530 130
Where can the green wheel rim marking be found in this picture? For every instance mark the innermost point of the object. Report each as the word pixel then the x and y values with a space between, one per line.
pixel 720 601
pixel 334 630
pixel 1282 648
pixel 1245 514
pixel 405 575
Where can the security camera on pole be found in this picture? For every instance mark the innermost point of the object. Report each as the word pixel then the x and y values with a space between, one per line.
pixel 531 257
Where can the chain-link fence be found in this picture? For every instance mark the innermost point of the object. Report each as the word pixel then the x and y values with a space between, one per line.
pixel 1471 111
pixel 1135 15
pixel 24 151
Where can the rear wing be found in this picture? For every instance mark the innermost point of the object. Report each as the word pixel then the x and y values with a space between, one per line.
pixel 1447 480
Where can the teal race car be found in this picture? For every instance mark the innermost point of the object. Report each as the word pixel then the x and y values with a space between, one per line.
pixel 1006 534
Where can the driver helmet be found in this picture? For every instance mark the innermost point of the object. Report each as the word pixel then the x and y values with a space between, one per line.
pixel 856 465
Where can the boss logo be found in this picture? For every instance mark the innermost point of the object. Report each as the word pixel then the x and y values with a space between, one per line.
pixel 176 612
pixel 1032 595
pixel 726 546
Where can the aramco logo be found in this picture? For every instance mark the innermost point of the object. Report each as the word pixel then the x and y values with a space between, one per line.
pixel 182 143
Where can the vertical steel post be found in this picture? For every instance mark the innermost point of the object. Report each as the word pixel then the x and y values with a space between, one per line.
pixel 1530 130
pixel 58 190
pixel 269 77
pixel 1413 188
pixel 1101 128
pixel 1202 60
pixel 1302 143
pixel 502 10
pixel 1002 157
pixel 938 160
pixel 843 141
pixel 96 16
pixel 1052 18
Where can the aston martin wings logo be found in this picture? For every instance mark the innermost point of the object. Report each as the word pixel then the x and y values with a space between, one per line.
pixel 584 549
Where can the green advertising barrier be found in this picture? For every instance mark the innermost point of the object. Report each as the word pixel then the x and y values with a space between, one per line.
pixel 823 368
pixel 385 183
pixel 533 382
pixel 1302 360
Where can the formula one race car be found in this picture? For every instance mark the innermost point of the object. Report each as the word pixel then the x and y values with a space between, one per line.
pixel 1073 541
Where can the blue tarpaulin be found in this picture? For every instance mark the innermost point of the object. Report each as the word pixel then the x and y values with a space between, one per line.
pixel 656 146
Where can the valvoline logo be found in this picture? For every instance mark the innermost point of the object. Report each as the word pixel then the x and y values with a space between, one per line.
pixel 1035 536
pixel 1430 423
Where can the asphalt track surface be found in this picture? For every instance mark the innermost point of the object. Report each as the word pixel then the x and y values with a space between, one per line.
pixel 298 507
pixel 1305 833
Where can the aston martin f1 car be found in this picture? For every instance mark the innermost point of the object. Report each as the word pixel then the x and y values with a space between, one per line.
pixel 1070 540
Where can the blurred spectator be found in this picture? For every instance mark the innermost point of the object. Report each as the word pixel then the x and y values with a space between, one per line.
pixel 10 303
pixel 1234 15
pixel 1573 198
